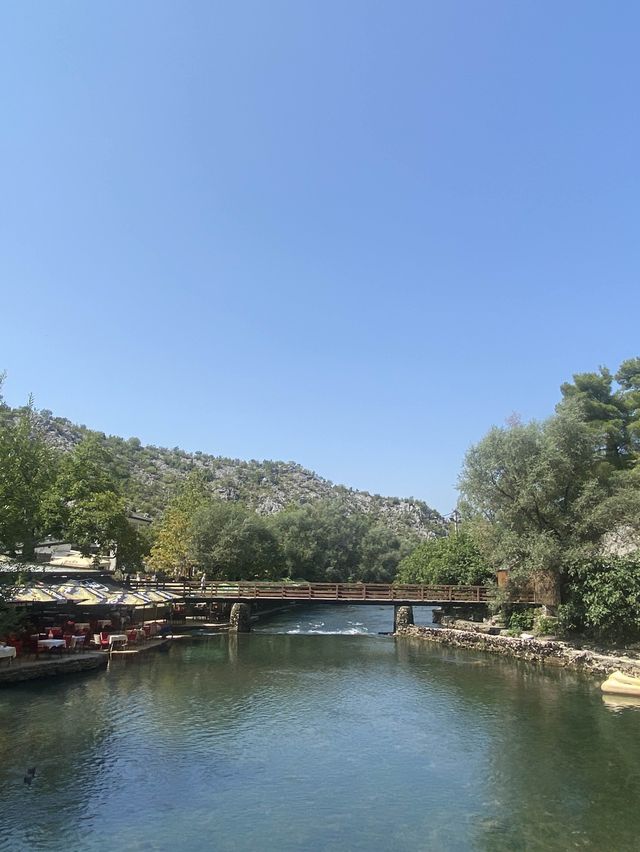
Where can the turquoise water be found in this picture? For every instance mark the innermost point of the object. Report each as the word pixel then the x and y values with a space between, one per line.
pixel 287 739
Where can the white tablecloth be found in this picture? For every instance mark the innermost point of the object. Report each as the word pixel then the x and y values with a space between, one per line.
pixel 7 652
pixel 117 638
pixel 51 643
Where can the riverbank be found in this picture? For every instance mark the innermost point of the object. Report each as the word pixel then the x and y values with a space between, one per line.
pixel 20 670
pixel 539 651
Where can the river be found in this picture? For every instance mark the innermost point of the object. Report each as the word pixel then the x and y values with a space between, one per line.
pixel 316 733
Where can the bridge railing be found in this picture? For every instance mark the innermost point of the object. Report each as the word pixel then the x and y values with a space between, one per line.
pixel 383 592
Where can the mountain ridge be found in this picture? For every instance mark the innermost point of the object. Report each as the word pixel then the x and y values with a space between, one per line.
pixel 151 475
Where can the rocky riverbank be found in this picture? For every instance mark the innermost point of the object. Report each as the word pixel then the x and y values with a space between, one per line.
pixel 540 651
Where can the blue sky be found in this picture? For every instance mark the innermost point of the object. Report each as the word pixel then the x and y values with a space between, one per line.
pixel 350 234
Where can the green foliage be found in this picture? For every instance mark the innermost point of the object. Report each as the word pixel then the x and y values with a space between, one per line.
pixel 27 469
pixel 612 414
pixel 231 542
pixel 545 625
pixel 545 498
pixel 172 552
pixel 326 542
pixel 43 492
pixel 381 552
pixel 443 561
pixel 85 505
pixel 520 621
pixel 149 477
pixel 536 494
pixel 10 618
pixel 604 598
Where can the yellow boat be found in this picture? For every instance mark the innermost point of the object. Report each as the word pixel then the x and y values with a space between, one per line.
pixel 619 683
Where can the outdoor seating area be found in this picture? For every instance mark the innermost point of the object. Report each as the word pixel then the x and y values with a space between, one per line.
pixel 56 620
pixel 74 638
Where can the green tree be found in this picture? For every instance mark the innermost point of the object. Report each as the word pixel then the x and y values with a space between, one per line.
pixel 381 551
pixel 452 559
pixel 172 552
pixel 321 541
pixel 604 597
pixel 27 472
pixel 628 378
pixel 537 497
pixel 304 555
pixel 86 507
pixel 231 542
pixel 612 413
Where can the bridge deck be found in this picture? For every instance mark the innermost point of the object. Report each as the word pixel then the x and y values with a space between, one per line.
pixel 357 593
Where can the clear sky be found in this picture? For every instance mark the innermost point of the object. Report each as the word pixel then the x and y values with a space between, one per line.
pixel 349 233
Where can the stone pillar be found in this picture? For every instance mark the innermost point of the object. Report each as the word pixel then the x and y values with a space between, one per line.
pixel 240 618
pixel 402 617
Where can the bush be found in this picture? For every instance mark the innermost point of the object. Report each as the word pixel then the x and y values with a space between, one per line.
pixel 605 598
pixel 545 625
pixel 520 621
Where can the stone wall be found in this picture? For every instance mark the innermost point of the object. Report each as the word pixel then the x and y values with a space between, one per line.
pixel 20 671
pixel 532 650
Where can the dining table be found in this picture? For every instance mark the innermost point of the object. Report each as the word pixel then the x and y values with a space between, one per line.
pixel 117 639
pixel 7 652
pixel 50 644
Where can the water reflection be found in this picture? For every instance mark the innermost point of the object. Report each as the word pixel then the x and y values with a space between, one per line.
pixel 289 742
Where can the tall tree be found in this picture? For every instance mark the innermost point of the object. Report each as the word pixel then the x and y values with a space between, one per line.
pixel 536 494
pixel 321 541
pixel 172 551
pixel 381 551
pixel 628 378
pixel 27 472
pixel 231 542
pixel 612 413
pixel 86 507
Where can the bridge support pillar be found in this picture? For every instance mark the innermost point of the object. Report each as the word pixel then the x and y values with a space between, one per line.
pixel 240 618
pixel 402 617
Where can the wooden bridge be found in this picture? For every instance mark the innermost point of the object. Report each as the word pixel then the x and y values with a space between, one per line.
pixel 330 593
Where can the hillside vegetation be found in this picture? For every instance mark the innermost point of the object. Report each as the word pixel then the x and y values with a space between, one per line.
pixel 224 517
pixel 151 476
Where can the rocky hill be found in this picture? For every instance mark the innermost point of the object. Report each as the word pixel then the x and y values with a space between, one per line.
pixel 151 475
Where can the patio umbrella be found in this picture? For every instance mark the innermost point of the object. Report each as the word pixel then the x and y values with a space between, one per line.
pixel 77 592
pixel 124 598
pixel 36 594
pixel 157 596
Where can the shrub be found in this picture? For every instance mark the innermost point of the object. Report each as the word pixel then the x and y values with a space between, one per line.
pixel 605 598
pixel 520 621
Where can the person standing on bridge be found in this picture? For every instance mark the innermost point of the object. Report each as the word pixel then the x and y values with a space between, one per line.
pixel 203 581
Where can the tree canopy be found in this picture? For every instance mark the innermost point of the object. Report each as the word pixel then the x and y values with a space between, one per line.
pixel 541 498
pixel 27 472
pixel 452 559
pixel 73 495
